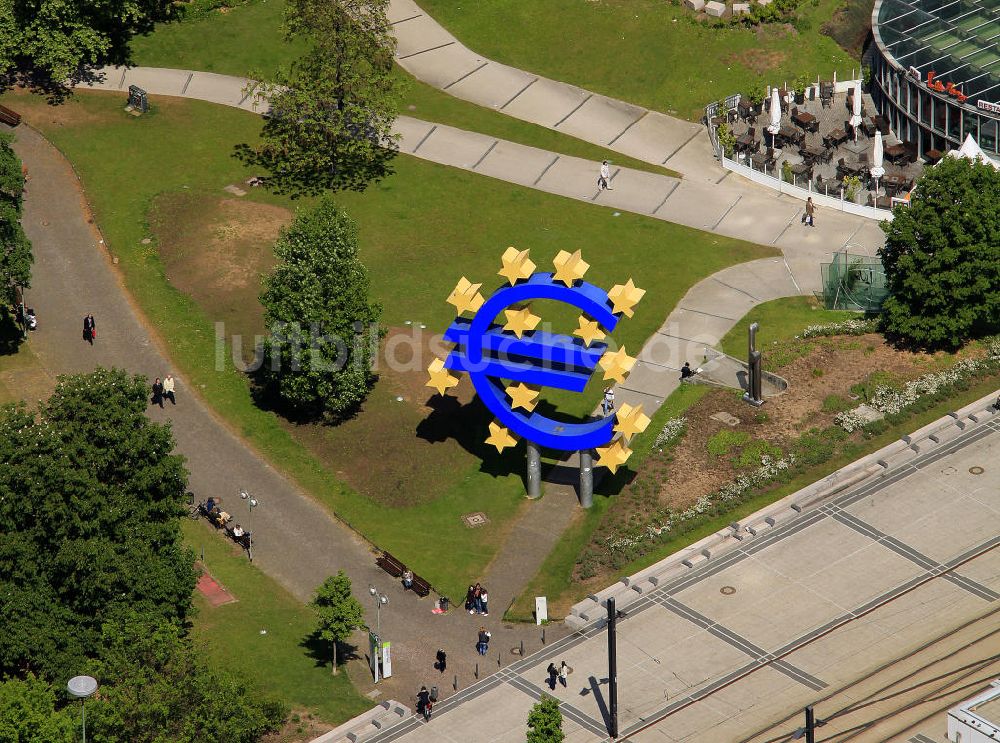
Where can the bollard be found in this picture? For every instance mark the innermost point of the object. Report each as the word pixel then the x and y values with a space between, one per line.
pixel 522 648
pixel 454 684
pixel 543 635
pixel 477 671
pixel 498 658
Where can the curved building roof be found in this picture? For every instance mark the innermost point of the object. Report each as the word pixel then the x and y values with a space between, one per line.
pixel 959 40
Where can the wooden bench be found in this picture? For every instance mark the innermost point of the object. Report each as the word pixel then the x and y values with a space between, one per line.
pixel 11 118
pixel 420 587
pixel 390 565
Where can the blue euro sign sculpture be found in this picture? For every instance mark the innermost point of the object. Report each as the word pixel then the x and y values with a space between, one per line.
pixel 544 359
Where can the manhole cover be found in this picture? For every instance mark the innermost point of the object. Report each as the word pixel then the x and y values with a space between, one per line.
pixel 949 471
pixel 45 224
pixel 727 590
pixel 976 470
pixel 472 520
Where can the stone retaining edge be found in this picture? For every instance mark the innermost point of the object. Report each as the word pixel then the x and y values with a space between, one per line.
pixel 874 465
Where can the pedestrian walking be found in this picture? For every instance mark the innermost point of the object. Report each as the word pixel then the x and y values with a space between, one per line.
pixel 484 597
pixel 604 179
pixel 89 329
pixel 608 403
pixel 424 703
pixel 441 662
pixel 564 672
pixel 810 215
pixel 553 675
pixel 168 389
pixel 158 392
pixel 483 643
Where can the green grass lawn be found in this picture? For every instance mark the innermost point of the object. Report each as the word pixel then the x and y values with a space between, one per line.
pixel 418 235
pixel 248 38
pixel 779 319
pixel 264 631
pixel 649 52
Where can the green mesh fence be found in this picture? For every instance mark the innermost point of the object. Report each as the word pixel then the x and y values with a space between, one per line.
pixel 854 282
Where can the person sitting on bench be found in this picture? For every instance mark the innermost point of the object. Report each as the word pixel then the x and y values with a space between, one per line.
pixel 407 579
pixel 686 371
pixel 238 532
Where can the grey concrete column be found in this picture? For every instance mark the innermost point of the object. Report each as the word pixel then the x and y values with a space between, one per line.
pixel 534 470
pixel 586 478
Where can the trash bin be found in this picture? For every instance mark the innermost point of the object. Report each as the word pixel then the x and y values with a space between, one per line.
pixel 434 693
pixel 443 603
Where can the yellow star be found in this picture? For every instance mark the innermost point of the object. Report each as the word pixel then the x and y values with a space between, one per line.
pixel 516 265
pixel 630 421
pixel 466 296
pixel 589 330
pixel 569 267
pixel 613 455
pixel 625 296
pixel 441 379
pixel 522 396
pixel 616 364
pixel 519 321
pixel 500 437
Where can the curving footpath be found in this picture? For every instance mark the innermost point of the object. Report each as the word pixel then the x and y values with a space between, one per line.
pixel 300 543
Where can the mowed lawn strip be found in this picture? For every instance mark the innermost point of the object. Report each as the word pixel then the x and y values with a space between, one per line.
pixel 263 633
pixel 648 52
pixel 248 38
pixel 421 230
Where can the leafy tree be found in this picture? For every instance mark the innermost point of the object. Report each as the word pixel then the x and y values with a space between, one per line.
pixel 942 258
pixel 316 301
pixel 57 37
pixel 89 498
pixel 156 685
pixel 330 119
pixel 28 713
pixel 545 722
pixel 15 248
pixel 337 611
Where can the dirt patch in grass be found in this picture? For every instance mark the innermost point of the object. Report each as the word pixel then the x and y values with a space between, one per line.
pixel 821 374
pixel 760 61
pixel 851 25
pixel 216 250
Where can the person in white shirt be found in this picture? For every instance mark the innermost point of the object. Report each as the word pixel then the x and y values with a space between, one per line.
pixel 608 404
pixel 168 389
pixel 604 180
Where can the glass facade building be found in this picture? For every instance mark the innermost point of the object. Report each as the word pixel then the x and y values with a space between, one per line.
pixel 936 71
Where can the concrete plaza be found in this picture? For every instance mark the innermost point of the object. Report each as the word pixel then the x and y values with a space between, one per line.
pixel 759 632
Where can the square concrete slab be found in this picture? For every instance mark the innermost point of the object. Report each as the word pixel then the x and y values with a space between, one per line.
pixel 750 577
pixel 601 120
pixel 402 9
pixel 168 82
pixel 832 656
pixel 655 137
pixel 719 299
pixel 515 163
pixel 861 576
pixel 421 33
pixel 635 191
pixel 455 147
pixel 571 176
pixel 671 351
pixel 440 66
pixel 697 324
pixel 758 219
pixel 411 132
pixel 955 527
pixel 761 279
pixel 546 102
pixel 815 548
pixel 492 85
pixel 694 205
pixel 219 89
pixel 802 610
pixel 902 503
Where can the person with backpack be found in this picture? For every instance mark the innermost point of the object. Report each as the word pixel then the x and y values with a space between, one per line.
pixel 483 644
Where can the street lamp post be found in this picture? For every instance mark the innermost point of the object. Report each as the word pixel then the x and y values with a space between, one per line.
pixel 82 687
pixel 251 504
pixel 380 600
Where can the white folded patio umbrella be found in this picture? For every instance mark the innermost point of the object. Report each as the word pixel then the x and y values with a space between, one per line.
pixel 971 150
pixel 877 170
pixel 856 114
pixel 775 124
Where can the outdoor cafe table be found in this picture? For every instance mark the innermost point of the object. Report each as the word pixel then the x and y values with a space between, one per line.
pixel 790 134
pixel 895 183
pixel 895 153
pixel 835 137
pixel 759 161
pixel 812 153
pixel 800 168
pixel 806 121
pixel 745 142
pixel 881 123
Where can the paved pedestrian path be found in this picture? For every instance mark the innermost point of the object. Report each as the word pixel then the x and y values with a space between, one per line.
pixel 296 540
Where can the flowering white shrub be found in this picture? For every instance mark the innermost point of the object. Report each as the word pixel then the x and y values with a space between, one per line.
pixel 856 326
pixel 889 401
pixel 671 430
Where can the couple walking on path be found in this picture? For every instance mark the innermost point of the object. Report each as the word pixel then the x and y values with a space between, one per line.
pixel 164 389
pixel 560 674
